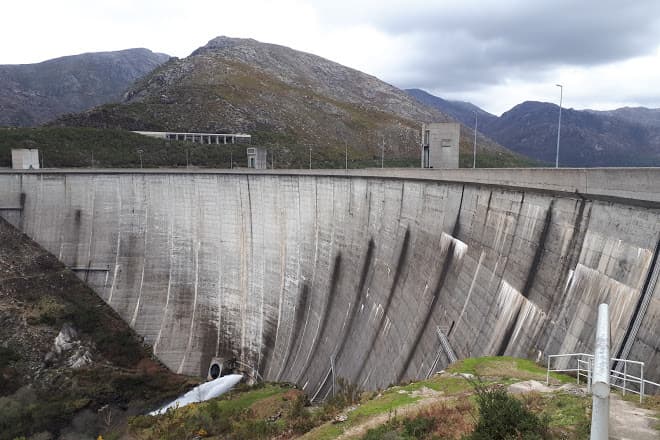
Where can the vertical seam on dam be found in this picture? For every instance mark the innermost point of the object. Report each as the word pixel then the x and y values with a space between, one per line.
pixel 540 249
pixel 449 257
pixel 531 276
pixel 403 258
pixel 358 298
pixel 635 321
pixel 330 299
pixel 457 225
pixel 300 313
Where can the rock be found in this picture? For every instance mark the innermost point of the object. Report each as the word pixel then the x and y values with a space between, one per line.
pixel 528 387
pixel 65 339
pixel 340 418
pixel 65 342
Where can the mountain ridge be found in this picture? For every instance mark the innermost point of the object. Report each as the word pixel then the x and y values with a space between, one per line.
pixel 287 99
pixel 32 94
pixel 622 137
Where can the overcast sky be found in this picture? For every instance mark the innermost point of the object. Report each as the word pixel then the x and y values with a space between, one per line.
pixel 495 54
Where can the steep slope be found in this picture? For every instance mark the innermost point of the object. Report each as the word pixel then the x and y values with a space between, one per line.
pixel 68 363
pixel 280 95
pixel 31 94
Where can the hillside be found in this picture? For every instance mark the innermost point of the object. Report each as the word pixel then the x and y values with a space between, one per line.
pixel 283 97
pixel 68 363
pixel 589 138
pixel 449 405
pixel 32 94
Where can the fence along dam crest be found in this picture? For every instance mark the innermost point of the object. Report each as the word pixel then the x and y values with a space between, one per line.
pixel 298 275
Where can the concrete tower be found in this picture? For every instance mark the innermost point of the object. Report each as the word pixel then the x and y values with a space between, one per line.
pixel 440 144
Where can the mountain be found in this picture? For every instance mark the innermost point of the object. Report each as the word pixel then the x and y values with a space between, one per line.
pixel 622 137
pixel 638 115
pixel 32 94
pixel 462 111
pixel 287 99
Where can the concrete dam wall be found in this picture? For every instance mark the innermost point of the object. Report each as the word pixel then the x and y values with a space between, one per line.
pixel 296 274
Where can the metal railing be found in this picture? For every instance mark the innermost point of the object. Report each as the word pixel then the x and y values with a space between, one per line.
pixel 623 380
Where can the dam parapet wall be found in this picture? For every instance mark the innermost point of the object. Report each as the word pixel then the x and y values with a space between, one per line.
pixel 292 272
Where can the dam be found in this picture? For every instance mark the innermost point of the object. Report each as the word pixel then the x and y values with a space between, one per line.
pixel 374 276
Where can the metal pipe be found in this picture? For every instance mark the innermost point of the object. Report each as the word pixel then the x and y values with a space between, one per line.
pixel 601 377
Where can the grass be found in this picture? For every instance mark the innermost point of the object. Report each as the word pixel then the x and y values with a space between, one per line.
pixel 506 367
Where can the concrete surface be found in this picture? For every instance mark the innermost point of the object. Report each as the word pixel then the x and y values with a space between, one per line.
pixel 287 271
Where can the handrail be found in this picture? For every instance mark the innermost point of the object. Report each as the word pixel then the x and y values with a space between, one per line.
pixel 619 379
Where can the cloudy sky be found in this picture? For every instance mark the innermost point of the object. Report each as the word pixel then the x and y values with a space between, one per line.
pixel 493 53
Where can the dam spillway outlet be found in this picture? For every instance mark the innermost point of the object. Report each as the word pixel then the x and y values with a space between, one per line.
pixel 307 278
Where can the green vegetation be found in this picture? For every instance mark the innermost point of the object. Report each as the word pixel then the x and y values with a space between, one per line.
pixel 258 412
pixel 446 406
pixel 63 147
pixel 110 148
pixel 502 417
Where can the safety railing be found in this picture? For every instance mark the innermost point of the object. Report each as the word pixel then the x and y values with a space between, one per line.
pixel 621 377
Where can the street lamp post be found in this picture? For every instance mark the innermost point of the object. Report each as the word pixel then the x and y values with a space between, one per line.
pixel 474 152
pixel 139 152
pixel 310 158
pixel 561 96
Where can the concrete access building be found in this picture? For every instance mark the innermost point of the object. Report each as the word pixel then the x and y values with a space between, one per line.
pixel 440 144
pixel 25 158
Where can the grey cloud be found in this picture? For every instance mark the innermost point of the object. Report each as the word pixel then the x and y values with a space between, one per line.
pixel 467 45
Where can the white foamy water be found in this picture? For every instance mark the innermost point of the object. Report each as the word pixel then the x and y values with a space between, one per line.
pixel 203 392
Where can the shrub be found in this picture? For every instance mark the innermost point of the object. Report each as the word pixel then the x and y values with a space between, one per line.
pixel 8 355
pixel 503 417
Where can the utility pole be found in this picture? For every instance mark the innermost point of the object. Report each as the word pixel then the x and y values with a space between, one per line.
pixel 474 152
pixel 231 159
pixel 382 151
pixel 561 96
pixel 310 158
pixel 346 148
pixel 92 159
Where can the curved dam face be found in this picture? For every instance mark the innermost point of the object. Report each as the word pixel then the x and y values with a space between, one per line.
pixel 298 275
